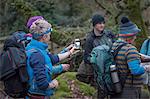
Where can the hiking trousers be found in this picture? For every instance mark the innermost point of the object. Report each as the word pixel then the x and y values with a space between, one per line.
pixel 128 93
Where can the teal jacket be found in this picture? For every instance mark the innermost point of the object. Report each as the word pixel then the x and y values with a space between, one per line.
pixel 145 49
pixel 40 68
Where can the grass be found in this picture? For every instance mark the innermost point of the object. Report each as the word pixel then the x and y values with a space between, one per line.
pixel 86 89
pixel 145 93
pixel 64 91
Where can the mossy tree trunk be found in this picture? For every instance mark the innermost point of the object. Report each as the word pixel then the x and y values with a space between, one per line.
pixel 135 14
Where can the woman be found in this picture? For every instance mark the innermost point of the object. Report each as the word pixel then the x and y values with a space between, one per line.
pixel 40 62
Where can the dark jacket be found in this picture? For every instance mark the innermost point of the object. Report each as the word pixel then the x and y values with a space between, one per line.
pixel 93 41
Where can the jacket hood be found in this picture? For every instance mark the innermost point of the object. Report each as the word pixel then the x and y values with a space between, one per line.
pixel 14 40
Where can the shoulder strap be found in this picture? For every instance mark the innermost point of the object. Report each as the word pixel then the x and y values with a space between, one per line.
pixel 118 49
pixel 115 54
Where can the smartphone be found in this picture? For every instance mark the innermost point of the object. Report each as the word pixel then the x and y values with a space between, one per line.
pixel 77 44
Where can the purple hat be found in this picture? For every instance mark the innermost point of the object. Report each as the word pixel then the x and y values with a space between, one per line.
pixel 33 19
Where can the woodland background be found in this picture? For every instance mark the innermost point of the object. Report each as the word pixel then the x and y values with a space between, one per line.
pixel 71 19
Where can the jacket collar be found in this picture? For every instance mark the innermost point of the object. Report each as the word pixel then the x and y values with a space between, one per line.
pixel 96 33
pixel 37 44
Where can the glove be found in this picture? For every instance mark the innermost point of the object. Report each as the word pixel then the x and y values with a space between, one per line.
pixel 53 84
pixel 65 67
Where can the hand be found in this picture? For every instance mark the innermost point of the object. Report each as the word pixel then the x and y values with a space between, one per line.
pixel 70 46
pixel 147 68
pixel 72 50
pixel 53 84
pixel 144 58
pixel 65 67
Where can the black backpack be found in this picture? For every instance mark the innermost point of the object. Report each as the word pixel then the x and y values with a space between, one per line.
pixel 13 66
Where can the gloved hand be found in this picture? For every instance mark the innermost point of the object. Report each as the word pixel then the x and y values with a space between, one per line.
pixel 65 67
pixel 53 84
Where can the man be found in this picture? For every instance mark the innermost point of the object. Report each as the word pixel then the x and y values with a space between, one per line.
pixel 98 36
pixel 128 61
pixel 40 62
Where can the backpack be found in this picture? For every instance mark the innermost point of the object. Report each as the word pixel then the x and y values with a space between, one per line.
pixel 85 71
pixel 85 74
pixel 102 57
pixel 13 66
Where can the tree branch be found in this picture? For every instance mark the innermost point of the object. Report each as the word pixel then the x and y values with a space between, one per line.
pixel 100 5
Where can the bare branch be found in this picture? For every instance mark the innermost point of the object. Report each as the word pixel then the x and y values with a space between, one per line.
pixel 100 5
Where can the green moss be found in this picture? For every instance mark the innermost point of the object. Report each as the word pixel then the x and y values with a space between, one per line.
pixel 59 38
pixel 86 89
pixel 61 94
pixel 145 93
pixel 63 91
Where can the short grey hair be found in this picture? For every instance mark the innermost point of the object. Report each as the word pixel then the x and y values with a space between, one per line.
pixel 39 26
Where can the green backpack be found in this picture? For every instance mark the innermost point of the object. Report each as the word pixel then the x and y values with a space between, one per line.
pixel 102 57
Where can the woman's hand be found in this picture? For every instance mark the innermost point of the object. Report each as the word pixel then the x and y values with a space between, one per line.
pixel 72 50
pixel 70 46
pixel 65 67
pixel 53 84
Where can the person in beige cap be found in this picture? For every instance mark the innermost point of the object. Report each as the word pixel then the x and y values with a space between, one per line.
pixel 40 62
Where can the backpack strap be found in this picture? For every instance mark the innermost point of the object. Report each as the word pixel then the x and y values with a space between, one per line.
pixel 118 49
pixel 115 54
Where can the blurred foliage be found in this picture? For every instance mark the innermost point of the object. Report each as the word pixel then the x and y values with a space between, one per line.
pixel 65 36
pixel 131 8
pixel 13 15
pixel 72 16
pixel 136 16
pixel 58 38
pixel 71 12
